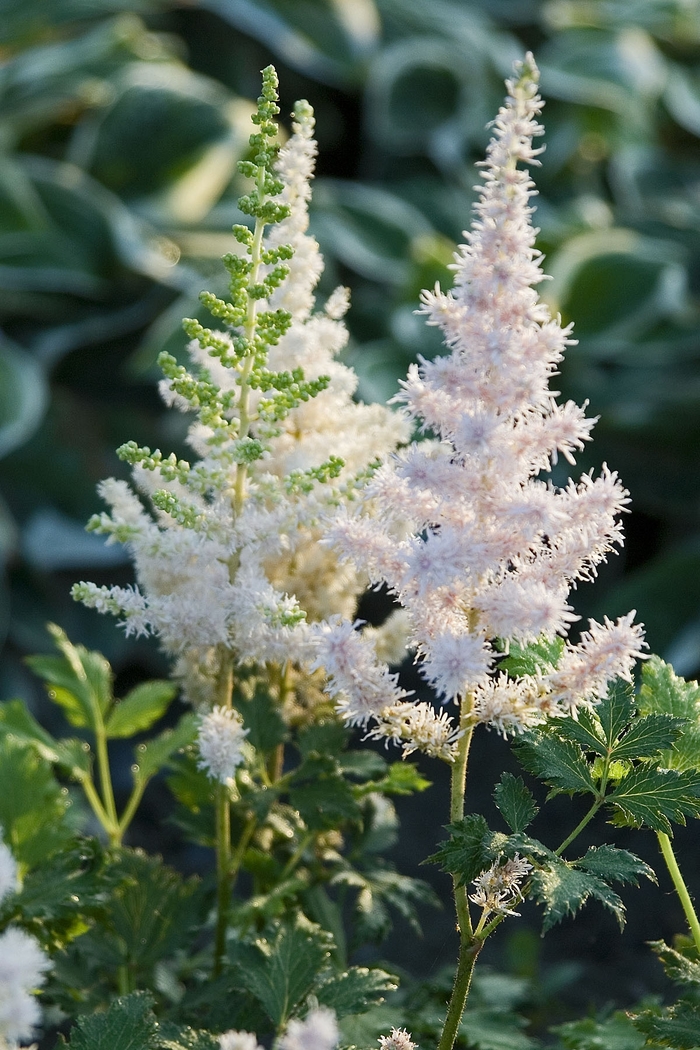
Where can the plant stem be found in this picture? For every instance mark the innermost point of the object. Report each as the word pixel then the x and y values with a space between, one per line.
pixel 579 827
pixel 223 873
pixel 680 886
pixel 469 945
pixel 98 809
pixel 110 807
pixel 131 806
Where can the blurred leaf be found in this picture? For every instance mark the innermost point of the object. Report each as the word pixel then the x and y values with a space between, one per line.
pixel 128 1024
pixel 140 708
pixel 23 394
pixel 33 806
pixel 155 754
pixel 354 991
pixel 262 718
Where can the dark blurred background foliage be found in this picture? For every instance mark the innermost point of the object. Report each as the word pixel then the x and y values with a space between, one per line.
pixel 121 122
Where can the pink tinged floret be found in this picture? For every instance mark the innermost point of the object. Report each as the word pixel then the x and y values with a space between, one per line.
pixel 523 609
pixel 454 664
pixel 606 651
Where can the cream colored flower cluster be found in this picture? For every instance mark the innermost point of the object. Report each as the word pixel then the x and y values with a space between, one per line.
pixel 494 548
pixel 246 574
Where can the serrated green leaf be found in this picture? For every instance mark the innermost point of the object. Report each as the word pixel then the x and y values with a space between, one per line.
pixel 354 991
pixel 563 890
pixel 128 1024
pixel 677 966
pixel 140 709
pixel 155 754
pixel 584 730
pixel 677 1026
pixel 64 689
pixel 262 718
pixel 152 911
pixel 614 1033
pixel 619 865
pixel 655 797
pixel 665 693
pixel 491 1029
pixel 466 852
pixel 178 1037
pixel 560 763
pixel 321 795
pixel 33 805
pixel 324 738
pixel 540 656
pixel 515 802
pixel 280 972
pixel 647 736
pixel 616 710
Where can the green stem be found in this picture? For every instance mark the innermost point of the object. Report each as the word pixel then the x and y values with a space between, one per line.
pixel 106 783
pixel 123 982
pixel 291 864
pixel 469 945
pixel 680 886
pixel 463 979
pixel 131 806
pixel 579 827
pixel 98 809
pixel 223 873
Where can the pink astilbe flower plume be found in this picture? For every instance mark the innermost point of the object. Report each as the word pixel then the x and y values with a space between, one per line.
pixel 470 540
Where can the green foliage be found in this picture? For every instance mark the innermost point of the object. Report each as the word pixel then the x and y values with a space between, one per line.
pixel 354 991
pixel 467 851
pixel 33 806
pixel 655 797
pixel 280 971
pixel 262 719
pixel 128 1024
pixel 542 655
pixel 663 693
pixel 140 709
pixel 515 802
pixel 557 761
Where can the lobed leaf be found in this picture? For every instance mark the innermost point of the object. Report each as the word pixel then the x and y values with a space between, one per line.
pixel 655 797
pixel 128 1024
pixel 611 863
pixel 563 890
pixel 560 763
pixel 466 852
pixel 515 802
pixel 354 991
pixel 665 693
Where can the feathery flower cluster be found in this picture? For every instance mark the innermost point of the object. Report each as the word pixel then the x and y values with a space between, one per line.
pixel 500 886
pixel 220 743
pixel 318 1031
pixel 493 550
pixel 399 1039
pixel 22 968
pixel 229 563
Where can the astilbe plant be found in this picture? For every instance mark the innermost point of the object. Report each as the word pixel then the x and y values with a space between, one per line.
pixel 249 565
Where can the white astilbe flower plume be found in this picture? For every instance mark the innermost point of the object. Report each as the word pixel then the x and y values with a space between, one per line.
pixel 220 743
pixel 22 972
pixel 8 872
pixel 495 550
pixel 318 1031
pixel 238 1041
pixel 244 574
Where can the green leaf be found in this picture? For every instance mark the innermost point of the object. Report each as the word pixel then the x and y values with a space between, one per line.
pixel 647 736
pixel 362 765
pixel 515 802
pixel 558 762
pixel 402 778
pixel 665 693
pixel 677 1026
pixel 128 1024
pixel 540 656
pixel 33 806
pixel 491 1029
pixel 611 863
pixel 152 911
pixel 677 966
pixel 562 890
pixel 466 852
pixel 614 1033
pixel 321 795
pixel 655 797
pixel 325 738
pixel 140 708
pixel 584 730
pixel 262 718
pixel 177 1037
pixel 281 972
pixel 155 754
pixel 616 710
pixel 15 718
pixel 81 680
pixel 23 396
pixel 354 991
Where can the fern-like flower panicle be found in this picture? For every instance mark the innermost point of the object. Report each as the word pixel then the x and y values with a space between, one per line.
pixel 494 549
pixel 228 563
